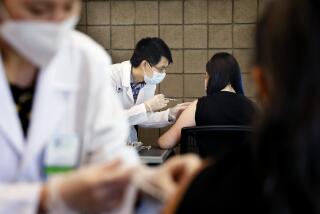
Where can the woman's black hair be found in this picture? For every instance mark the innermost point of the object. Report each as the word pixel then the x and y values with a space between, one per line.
pixel 151 50
pixel 288 137
pixel 223 69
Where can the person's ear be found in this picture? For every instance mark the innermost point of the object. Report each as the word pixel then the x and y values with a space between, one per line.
pixel 261 83
pixel 143 63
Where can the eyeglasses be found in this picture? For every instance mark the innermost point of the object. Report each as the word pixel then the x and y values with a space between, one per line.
pixel 160 70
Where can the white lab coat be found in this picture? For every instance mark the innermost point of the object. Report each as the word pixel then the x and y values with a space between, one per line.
pixel 73 96
pixel 136 112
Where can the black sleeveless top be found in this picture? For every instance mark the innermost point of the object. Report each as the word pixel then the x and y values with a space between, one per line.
pixel 224 108
pixel 231 185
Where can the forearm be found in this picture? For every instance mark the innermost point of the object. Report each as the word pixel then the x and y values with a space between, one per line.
pixel 157 120
pixel 137 114
pixel 20 197
pixel 169 139
pixel 42 208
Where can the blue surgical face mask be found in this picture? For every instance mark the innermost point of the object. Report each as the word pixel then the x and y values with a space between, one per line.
pixel 156 78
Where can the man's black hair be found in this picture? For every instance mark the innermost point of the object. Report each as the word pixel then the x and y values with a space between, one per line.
pixel 151 50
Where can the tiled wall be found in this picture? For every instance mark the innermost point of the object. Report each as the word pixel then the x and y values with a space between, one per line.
pixel 193 29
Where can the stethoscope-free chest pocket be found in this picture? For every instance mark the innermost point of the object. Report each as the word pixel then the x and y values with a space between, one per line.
pixel 61 154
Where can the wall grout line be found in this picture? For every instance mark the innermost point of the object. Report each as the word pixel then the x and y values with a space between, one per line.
pixel 86 12
pixel 158 1
pixel 128 25
pixel 258 11
pixel 110 22
pixel 183 51
pixel 232 35
pixel 208 29
pixel 190 49
pixel 158 9
pixel 134 23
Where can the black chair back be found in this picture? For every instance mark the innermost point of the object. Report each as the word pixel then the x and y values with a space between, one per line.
pixel 214 141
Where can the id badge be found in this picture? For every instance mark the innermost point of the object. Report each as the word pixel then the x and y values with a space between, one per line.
pixel 61 154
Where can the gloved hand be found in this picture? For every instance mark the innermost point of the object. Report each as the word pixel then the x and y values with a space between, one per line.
pixel 163 182
pixel 175 112
pixel 156 103
pixel 93 189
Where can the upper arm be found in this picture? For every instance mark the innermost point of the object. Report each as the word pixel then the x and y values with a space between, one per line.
pixel 172 136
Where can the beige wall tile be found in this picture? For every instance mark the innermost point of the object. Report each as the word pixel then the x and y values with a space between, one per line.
pixel 157 89
pixel 82 28
pixel 122 37
pixel 148 136
pixel 243 36
pixel 190 99
pixel 100 34
pixel 195 11
pixel 163 130
pixel 146 12
pixel 262 5
pixel 171 12
pixel 83 16
pixel 248 85
pixel 220 36
pixel 172 35
pixel 177 65
pixel 121 55
pixel 244 58
pixel 146 31
pixel 122 12
pixel 220 11
pixel 172 86
pixel 193 85
pixel 195 36
pixel 98 12
pixel 245 11
pixel 175 102
pixel 195 61
pixel 212 52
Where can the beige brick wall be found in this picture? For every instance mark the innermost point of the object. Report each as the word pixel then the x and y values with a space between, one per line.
pixel 194 30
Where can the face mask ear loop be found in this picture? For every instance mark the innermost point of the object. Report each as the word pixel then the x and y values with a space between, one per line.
pixel 150 69
pixel 145 68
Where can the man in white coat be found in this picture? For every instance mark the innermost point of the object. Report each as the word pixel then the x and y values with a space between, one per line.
pixel 135 83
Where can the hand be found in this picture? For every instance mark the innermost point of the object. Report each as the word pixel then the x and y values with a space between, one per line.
pixel 175 112
pixel 91 190
pixel 156 103
pixel 162 182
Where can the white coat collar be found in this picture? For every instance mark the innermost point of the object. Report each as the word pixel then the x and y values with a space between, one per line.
pixel 53 87
pixel 126 78
pixel 10 125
